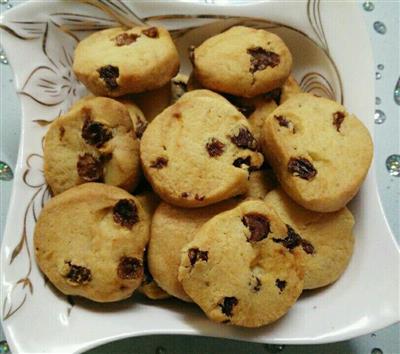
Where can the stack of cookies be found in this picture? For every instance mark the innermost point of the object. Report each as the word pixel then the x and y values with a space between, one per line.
pixel 231 195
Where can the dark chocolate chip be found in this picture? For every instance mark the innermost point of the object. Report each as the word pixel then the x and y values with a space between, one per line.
pixel 185 195
pixel 199 197
pixel 191 54
pixel 125 213
pixel 141 126
pixel 130 268
pixel 151 32
pixel 338 118
pixel 261 59
pixel 215 147
pixel 95 133
pixel 307 246
pixel 159 163
pixel 78 274
pixel 292 240
pixel 281 284
pixel 62 132
pixel 89 168
pixel 126 39
pixel 109 74
pixel 244 139
pixel 195 254
pixel 227 305
pixel 301 167
pixel 258 225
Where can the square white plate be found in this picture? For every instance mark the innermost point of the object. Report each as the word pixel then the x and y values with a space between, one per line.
pixel 332 57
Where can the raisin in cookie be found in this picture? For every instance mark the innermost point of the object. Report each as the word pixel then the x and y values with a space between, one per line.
pixel 171 229
pixel 199 151
pixel 289 89
pixel 89 242
pixel 114 62
pixel 242 61
pixel 93 143
pixel 319 152
pixel 236 269
pixel 326 239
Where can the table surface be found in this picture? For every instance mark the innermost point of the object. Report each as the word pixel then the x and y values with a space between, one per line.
pixel 383 20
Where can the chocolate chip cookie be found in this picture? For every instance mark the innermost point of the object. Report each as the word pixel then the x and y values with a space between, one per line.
pixel 89 242
pixel 242 61
pixel 236 269
pixel 116 61
pixel 92 143
pixel 325 239
pixel 199 151
pixel 319 152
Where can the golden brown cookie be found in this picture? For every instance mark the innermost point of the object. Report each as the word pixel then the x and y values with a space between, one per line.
pixel 327 240
pixel 319 152
pixel 89 241
pixel 94 142
pixel 115 62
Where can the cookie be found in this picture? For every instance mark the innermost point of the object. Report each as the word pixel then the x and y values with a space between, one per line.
pixel 237 270
pixel 289 89
pixel 199 151
pixel 171 229
pixel 92 143
pixel 327 240
pixel 115 62
pixel 319 152
pixel 153 102
pixel 242 61
pixel 260 183
pixel 89 242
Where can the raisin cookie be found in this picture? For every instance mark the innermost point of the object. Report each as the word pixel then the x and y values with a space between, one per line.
pixel 289 89
pixel 319 152
pixel 93 143
pixel 242 61
pixel 237 270
pixel 199 151
pixel 171 229
pixel 326 239
pixel 115 62
pixel 89 242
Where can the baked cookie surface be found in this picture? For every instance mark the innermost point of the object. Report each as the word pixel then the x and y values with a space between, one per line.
pixel 115 62
pixel 319 152
pixel 171 229
pixel 199 150
pixel 94 142
pixel 290 88
pixel 237 270
pixel 326 238
pixel 242 61
pixel 89 242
